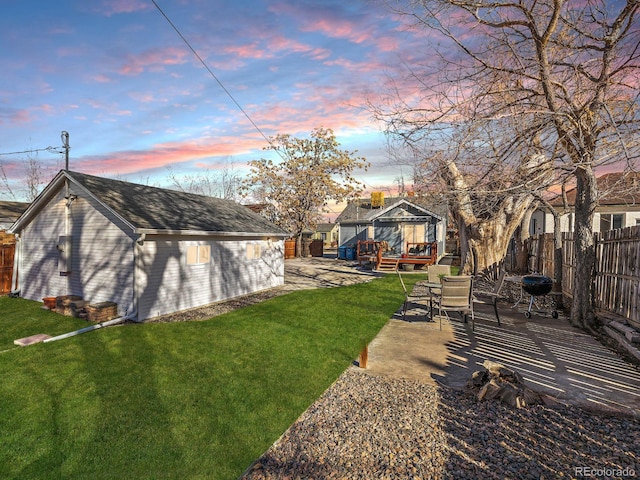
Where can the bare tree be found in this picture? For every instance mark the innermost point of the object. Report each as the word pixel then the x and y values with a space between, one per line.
pixel 568 68
pixel 222 183
pixel 35 178
pixel 5 183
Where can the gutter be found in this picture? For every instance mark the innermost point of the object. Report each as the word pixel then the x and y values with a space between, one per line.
pixel 108 323
pixel 15 284
pixel 152 231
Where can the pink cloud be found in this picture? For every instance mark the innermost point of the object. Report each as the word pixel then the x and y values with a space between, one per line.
pixel 387 44
pixel 11 116
pixel 247 51
pixel 101 78
pixel 114 7
pixel 168 154
pixel 337 28
pixel 46 108
pixel 145 97
pixel 362 67
pixel 153 59
pixel 280 43
pixel 325 21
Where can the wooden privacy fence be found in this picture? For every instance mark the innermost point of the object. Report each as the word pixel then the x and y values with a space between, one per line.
pixel 617 268
pixel 7 251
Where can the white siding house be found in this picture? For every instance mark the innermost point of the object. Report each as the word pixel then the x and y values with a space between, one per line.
pixel 150 250
pixel 619 206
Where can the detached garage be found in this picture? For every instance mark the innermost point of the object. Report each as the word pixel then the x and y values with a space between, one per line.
pixel 150 250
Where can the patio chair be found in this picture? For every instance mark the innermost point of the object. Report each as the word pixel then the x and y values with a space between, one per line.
pixel 408 297
pixel 492 297
pixel 456 295
pixel 435 273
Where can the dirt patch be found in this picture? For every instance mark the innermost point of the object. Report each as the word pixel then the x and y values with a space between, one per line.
pixel 299 274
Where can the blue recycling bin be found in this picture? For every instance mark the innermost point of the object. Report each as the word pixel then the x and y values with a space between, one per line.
pixel 351 253
pixel 342 253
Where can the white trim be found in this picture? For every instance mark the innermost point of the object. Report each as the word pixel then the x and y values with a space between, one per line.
pixel 153 231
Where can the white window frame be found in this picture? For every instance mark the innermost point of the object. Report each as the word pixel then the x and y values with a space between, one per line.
pixel 254 251
pixel 198 255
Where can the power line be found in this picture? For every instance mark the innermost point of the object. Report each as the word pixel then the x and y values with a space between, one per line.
pixel 34 150
pixel 211 72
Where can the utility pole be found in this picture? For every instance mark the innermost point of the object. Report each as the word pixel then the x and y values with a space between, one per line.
pixel 65 144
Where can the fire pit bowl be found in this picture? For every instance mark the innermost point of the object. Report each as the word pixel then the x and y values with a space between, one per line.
pixel 537 284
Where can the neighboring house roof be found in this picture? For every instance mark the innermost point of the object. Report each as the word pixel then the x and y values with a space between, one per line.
pixel 361 210
pixel 257 207
pixel 157 210
pixel 325 227
pixel 11 211
pixel 615 188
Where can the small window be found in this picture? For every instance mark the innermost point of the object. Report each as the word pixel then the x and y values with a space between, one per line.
pixel 198 254
pixel 610 221
pixel 617 221
pixel 253 251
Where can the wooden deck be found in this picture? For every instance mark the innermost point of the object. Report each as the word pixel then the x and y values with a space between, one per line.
pixel 370 251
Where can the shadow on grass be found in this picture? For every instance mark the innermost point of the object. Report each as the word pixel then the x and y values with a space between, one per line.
pixel 183 400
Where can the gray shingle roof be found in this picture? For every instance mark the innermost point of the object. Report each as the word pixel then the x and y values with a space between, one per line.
pixel 360 210
pixel 152 208
pixel 10 211
pixel 617 188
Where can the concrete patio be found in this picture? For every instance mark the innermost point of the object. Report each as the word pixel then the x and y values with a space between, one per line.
pixel 554 358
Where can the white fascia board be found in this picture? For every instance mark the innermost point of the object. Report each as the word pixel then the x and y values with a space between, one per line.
pixel 39 201
pixel 406 202
pixel 151 231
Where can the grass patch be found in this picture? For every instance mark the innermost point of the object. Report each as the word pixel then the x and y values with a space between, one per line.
pixel 181 400
pixel 21 318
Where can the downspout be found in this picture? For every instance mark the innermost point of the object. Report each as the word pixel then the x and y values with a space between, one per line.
pixel 17 256
pixel 137 245
pixel 108 323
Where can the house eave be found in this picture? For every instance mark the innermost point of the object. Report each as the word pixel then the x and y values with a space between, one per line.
pixel 404 219
pixel 201 233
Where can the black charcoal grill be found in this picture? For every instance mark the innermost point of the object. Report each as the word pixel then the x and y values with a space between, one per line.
pixel 537 286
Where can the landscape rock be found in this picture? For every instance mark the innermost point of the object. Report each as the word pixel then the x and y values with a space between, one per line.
pixel 498 382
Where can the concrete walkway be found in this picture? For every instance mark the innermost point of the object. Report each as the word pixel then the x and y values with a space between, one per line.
pixel 552 356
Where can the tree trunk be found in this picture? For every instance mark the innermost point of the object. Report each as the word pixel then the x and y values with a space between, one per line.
pixel 484 241
pixel 522 259
pixel 464 242
pixel 299 245
pixel 557 258
pixel 486 246
pixel 582 311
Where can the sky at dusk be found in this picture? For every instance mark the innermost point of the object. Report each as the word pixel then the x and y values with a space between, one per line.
pixel 139 105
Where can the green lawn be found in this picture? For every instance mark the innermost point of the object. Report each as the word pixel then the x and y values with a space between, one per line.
pixel 180 400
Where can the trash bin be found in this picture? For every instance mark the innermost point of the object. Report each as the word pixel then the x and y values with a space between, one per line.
pixel 317 248
pixel 351 253
pixel 342 253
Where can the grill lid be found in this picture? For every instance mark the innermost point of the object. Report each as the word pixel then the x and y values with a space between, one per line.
pixel 537 284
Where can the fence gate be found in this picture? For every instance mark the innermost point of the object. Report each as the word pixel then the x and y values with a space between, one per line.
pixel 7 251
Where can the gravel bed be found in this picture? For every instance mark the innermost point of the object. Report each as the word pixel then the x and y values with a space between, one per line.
pixel 209 311
pixel 366 427
pixel 362 427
